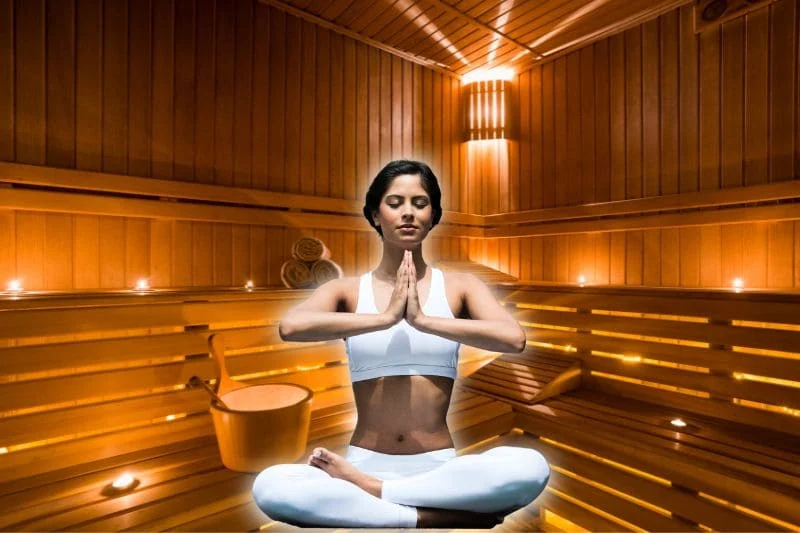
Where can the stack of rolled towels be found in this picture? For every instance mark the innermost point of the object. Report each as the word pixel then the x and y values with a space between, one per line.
pixel 310 265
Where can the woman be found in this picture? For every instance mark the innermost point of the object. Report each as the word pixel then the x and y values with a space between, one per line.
pixel 401 468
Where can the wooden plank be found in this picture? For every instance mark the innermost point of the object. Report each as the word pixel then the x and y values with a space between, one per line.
pixel 34 461
pixel 709 101
pixel 712 333
pixel 30 89
pixel 652 76
pixel 185 90
pixel 756 169
pixel 244 104
pixel 7 104
pixel 762 307
pixel 224 101
pixel 205 93
pixel 732 103
pixel 724 410
pixel 633 112
pixel 618 176
pixel 307 113
pixel 688 105
pixel 672 466
pixel 59 26
pixel 678 502
pixel 140 69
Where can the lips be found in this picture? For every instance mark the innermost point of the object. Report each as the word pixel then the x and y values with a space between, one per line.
pixel 408 227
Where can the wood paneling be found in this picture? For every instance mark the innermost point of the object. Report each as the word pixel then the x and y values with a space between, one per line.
pixel 661 110
pixel 679 115
pixel 230 93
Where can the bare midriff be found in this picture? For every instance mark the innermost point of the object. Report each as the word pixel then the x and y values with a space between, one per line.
pixel 402 415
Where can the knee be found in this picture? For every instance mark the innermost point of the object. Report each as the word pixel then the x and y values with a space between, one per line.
pixel 271 494
pixel 532 472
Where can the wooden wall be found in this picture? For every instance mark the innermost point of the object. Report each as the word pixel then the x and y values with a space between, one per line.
pixel 656 110
pixel 232 93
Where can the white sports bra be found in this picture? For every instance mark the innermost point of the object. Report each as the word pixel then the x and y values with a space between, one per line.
pixel 402 350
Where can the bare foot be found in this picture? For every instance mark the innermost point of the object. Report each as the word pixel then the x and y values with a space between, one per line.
pixel 337 466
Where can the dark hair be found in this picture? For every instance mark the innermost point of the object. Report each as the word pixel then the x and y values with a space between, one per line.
pixel 384 179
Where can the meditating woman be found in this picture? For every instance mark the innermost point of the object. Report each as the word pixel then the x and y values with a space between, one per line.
pixel 401 468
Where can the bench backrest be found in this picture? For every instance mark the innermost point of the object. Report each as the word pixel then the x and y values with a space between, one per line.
pixel 717 353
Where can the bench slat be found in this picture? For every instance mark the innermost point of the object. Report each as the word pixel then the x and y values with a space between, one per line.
pixel 721 305
pixel 708 407
pixel 667 464
pixel 722 386
pixel 619 507
pixel 676 501
pixel 769 366
pixel 772 339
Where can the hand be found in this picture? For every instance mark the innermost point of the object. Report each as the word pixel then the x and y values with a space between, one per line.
pixel 413 311
pixel 397 302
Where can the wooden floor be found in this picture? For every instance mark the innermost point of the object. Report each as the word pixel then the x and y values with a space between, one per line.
pixel 185 487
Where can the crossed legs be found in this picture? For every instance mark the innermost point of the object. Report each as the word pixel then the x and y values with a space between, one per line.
pixel 501 479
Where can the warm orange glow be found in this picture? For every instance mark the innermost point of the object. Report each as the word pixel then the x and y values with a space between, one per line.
pixel 14 285
pixel 486 112
pixel 559 522
pixel 499 73
pixel 748 511
pixel 123 482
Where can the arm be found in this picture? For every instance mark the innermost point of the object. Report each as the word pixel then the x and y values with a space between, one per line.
pixel 491 326
pixel 317 318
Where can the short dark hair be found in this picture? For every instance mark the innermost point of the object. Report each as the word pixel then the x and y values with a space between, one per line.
pixel 380 184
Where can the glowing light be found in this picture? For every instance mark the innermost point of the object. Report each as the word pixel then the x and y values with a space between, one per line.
pixel 14 285
pixel 496 73
pixel 142 285
pixel 738 284
pixel 678 423
pixel 582 280
pixel 631 358
pixel 171 417
pixel 124 482
pixel 249 285
pixel 3 450
pixel 484 117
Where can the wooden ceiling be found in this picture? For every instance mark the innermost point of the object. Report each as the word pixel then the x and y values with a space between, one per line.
pixel 461 36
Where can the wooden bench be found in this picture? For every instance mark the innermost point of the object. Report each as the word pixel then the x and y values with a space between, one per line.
pixel 725 363
pixel 93 385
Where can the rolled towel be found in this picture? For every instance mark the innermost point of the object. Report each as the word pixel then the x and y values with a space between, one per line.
pixel 296 274
pixel 310 249
pixel 325 270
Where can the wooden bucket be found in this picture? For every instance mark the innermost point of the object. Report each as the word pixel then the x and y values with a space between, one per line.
pixel 259 425
pixel 263 425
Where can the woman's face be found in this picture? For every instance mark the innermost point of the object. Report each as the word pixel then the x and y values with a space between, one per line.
pixel 405 202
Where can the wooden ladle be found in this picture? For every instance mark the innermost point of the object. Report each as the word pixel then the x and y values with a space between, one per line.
pixel 225 384
pixel 195 381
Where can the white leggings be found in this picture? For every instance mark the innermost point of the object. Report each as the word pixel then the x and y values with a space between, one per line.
pixel 502 479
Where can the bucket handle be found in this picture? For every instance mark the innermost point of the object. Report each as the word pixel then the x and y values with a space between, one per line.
pixel 225 384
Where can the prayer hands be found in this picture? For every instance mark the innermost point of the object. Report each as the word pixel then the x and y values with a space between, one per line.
pixel 413 311
pixel 404 302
